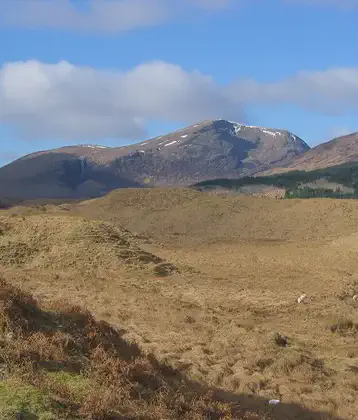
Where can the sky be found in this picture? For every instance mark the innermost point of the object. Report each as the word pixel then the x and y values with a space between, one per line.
pixel 114 72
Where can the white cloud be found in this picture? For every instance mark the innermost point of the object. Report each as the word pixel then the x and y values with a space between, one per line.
pixel 93 15
pixel 114 16
pixel 71 103
pixel 333 91
pixel 68 102
pixel 104 16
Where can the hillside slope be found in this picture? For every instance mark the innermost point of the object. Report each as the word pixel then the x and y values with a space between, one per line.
pixel 331 182
pixel 207 150
pixel 338 151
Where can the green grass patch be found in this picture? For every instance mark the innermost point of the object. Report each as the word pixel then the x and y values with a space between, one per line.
pixel 78 385
pixel 17 398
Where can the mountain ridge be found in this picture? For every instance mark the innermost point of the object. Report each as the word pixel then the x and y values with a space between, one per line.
pixel 338 151
pixel 206 150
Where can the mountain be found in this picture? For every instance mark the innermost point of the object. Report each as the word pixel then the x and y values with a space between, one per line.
pixel 327 170
pixel 211 149
pixel 336 152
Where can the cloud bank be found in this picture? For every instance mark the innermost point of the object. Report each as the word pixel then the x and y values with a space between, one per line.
pixel 332 91
pixel 102 16
pixel 115 16
pixel 69 102
pixel 46 100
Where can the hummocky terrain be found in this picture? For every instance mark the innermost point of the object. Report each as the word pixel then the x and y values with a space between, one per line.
pixel 212 149
pixel 203 284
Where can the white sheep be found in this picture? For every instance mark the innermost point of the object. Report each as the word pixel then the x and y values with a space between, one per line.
pixel 274 402
pixel 302 298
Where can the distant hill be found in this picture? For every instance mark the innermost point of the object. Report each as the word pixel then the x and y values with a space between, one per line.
pixel 211 149
pixel 332 153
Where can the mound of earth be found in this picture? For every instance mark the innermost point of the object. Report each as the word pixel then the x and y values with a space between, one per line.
pixel 64 242
pixel 188 216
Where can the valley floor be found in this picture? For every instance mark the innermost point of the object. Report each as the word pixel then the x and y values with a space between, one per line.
pixel 226 312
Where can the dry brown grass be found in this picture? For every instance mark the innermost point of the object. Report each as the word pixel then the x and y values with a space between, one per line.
pixel 66 243
pixel 224 317
pixel 81 368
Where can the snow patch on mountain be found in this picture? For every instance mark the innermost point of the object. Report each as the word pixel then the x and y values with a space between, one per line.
pixel 172 142
pixel 238 127
pixel 93 146
pixel 272 133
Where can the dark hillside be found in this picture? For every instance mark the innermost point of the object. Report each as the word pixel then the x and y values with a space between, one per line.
pixel 297 183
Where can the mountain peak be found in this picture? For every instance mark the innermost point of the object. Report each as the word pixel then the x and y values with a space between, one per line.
pixel 205 150
pixel 238 127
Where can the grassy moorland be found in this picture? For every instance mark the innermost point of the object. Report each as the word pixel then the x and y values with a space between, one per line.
pixel 199 291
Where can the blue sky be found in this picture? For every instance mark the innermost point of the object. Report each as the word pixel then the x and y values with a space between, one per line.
pixel 116 71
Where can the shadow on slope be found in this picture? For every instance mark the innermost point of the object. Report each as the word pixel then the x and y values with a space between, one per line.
pixel 61 363
pixel 58 175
